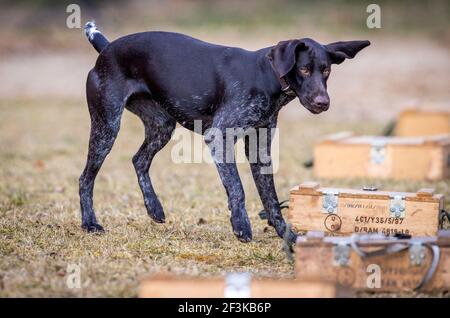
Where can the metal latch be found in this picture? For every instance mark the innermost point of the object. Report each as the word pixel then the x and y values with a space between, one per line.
pixel 341 254
pixel 397 207
pixel 330 202
pixel 238 285
pixel 416 254
pixel 378 151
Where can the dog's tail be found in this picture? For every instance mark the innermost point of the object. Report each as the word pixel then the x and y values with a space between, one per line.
pixel 94 36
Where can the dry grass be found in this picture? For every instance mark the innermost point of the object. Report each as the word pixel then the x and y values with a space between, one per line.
pixel 42 152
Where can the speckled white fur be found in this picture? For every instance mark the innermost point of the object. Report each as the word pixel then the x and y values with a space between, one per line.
pixel 90 29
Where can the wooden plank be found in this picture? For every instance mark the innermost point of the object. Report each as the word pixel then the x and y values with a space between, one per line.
pixel 422 123
pixel 425 193
pixel 316 260
pixel 333 160
pixel 359 211
pixel 305 188
pixel 169 286
pixel 403 158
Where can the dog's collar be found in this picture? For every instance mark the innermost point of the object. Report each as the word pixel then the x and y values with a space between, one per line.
pixel 285 87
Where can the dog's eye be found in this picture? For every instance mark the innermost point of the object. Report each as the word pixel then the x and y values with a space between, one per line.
pixel 305 71
pixel 326 72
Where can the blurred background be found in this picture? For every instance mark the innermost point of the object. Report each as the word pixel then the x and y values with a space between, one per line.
pixel 44 131
pixel 407 64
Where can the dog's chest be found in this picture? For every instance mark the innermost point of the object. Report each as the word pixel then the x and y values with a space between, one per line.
pixel 282 100
pixel 255 110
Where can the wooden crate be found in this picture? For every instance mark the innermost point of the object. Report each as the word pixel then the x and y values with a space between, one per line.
pixel 416 158
pixel 346 211
pixel 334 258
pixel 237 285
pixel 415 122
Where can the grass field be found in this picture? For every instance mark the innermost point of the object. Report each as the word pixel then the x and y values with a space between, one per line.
pixel 43 148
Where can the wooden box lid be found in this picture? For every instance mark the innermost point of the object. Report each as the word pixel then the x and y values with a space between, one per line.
pixel 313 188
pixel 348 138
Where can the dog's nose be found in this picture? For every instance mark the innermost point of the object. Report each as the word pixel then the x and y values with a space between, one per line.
pixel 322 101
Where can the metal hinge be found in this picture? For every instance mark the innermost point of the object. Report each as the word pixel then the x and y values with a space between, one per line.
pixel 397 207
pixel 330 202
pixel 341 254
pixel 238 285
pixel 416 254
pixel 378 151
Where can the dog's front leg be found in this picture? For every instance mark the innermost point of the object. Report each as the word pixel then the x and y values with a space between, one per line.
pixel 223 156
pixel 258 153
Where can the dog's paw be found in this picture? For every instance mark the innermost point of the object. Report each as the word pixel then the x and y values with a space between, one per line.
pixel 93 228
pixel 242 229
pixel 158 219
pixel 156 212
pixel 157 216
pixel 290 237
pixel 243 237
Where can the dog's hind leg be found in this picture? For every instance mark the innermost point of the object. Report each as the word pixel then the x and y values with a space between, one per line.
pixel 158 130
pixel 105 107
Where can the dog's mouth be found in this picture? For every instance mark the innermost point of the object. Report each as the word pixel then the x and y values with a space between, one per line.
pixel 314 110
pixel 309 106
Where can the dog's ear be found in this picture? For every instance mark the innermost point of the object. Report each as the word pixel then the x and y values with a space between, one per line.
pixel 282 56
pixel 339 51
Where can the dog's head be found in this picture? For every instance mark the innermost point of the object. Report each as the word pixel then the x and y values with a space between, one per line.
pixel 305 66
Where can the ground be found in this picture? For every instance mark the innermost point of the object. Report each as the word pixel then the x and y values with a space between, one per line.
pixel 42 154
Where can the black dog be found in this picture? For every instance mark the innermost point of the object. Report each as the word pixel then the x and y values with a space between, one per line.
pixel 165 78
